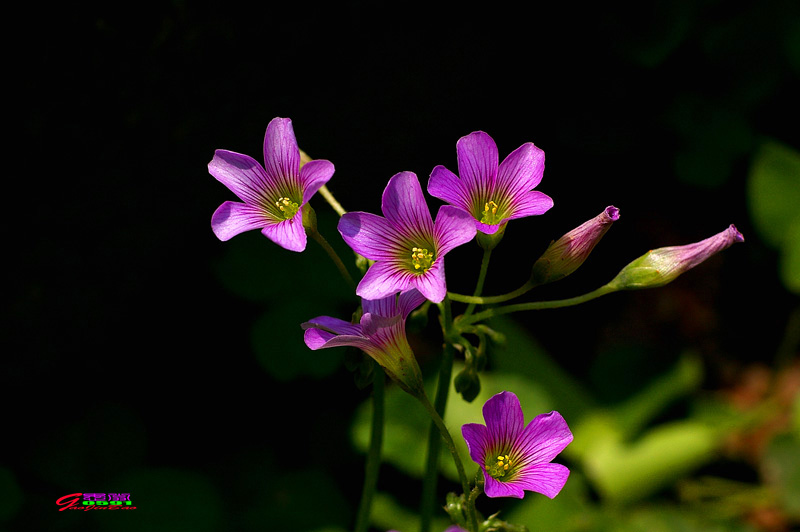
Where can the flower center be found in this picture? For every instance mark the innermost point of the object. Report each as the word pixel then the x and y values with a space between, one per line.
pixel 489 214
pixel 287 207
pixel 421 259
pixel 500 468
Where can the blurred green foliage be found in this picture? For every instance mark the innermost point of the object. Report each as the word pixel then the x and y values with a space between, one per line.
pixel 632 469
pixel 773 192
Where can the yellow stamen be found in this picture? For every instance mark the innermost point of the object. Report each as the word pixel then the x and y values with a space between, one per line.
pixel 421 258
pixel 287 207
pixel 489 215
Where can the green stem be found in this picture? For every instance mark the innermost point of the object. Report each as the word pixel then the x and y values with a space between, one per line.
pixel 490 300
pixel 476 491
pixel 332 254
pixel 487 253
pixel 428 502
pixel 451 446
pixel 374 453
pixel 536 305
pixel 325 193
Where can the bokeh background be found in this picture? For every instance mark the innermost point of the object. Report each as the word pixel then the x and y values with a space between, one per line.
pixel 145 356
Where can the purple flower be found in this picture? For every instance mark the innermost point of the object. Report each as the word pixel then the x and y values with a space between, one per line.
pixel 566 254
pixel 380 333
pixel 515 457
pixel 660 266
pixel 492 194
pixel 274 194
pixel 407 246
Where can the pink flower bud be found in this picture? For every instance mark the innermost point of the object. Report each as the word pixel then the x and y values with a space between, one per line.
pixel 566 254
pixel 661 266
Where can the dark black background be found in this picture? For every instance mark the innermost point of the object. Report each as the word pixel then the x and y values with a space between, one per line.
pixel 117 330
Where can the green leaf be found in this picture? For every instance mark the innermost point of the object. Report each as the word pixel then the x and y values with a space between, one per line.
pixel 407 423
pixel 781 469
pixel 570 511
pixel 790 258
pixel 774 191
pixel 631 472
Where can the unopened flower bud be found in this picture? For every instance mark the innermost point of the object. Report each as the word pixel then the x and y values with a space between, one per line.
pixel 566 254
pixel 468 384
pixel 661 266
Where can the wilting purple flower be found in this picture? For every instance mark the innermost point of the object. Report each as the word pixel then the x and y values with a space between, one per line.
pixel 660 266
pixel 381 334
pixel 408 247
pixel 566 254
pixel 492 194
pixel 274 194
pixel 515 457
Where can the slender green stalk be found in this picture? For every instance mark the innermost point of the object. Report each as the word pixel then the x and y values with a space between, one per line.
pixel 374 453
pixel 451 446
pixel 490 300
pixel 332 254
pixel 487 253
pixel 428 503
pixel 325 193
pixel 536 305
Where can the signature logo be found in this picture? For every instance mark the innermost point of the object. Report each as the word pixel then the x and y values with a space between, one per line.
pixel 95 501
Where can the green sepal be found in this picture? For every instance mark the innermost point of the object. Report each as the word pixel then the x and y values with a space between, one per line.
pixel 489 242
pixel 309 218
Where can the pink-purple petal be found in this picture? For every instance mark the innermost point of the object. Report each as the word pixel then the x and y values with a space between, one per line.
pixel 530 203
pixel 477 160
pixel 489 229
pixel 547 479
pixel 504 418
pixel 281 154
pixel 289 234
pixel 371 323
pixel 446 186
pixel 544 437
pixel 241 174
pixel 335 325
pixel 319 339
pixel 313 175
pixel 478 441
pixel 381 280
pixel 403 204
pixel 522 170
pixel 431 284
pixel 496 488
pixel 369 235
pixel 408 301
pixel 453 228
pixel 232 218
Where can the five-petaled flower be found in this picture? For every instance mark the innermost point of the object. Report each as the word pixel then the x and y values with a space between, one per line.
pixel 492 193
pixel 515 457
pixel 408 247
pixel 380 333
pixel 274 194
